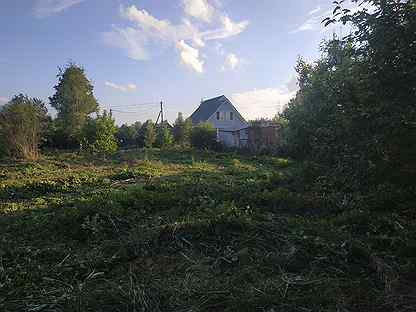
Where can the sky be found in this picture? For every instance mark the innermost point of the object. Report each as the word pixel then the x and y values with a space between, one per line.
pixel 137 53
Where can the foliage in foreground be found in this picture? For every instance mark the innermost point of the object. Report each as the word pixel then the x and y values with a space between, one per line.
pixel 355 111
pixel 179 231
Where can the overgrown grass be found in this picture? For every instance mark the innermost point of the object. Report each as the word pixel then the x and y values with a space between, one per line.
pixel 177 230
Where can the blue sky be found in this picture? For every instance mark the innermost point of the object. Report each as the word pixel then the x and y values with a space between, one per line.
pixel 178 51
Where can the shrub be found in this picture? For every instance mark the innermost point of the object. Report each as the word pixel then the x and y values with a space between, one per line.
pixel 99 135
pixel 22 121
pixel 204 136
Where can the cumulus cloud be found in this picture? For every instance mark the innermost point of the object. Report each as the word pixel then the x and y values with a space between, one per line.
pixel 231 61
pixel 199 9
pixel 190 57
pixel 124 88
pixel 266 102
pixel 44 8
pixel 148 31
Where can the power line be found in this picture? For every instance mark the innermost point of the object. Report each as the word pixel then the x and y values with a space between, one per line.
pixel 136 105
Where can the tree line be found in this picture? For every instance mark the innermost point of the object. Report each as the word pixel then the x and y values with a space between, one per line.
pixel 26 127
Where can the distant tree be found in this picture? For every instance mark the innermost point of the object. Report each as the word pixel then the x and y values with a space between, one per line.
pixel 74 100
pixel 22 122
pixel 164 135
pixel 203 136
pixel 182 130
pixel 98 135
pixel 149 134
pixel 126 135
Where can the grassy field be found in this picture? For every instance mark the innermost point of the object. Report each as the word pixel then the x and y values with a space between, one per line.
pixel 193 231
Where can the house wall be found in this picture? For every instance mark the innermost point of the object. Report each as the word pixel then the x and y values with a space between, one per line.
pixel 225 109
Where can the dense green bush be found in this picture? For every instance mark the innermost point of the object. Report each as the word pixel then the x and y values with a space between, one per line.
pixel 98 135
pixel 204 136
pixel 354 114
pixel 22 123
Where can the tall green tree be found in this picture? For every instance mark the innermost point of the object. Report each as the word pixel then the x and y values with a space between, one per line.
pixel 74 101
pixel 22 123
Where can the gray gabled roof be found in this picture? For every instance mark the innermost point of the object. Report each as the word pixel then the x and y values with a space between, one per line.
pixel 207 109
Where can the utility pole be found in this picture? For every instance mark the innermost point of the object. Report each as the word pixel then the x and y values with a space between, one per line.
pixel 161 110
pixel 160 114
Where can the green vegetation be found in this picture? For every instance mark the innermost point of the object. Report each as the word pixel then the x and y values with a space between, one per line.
pixel 99 135
pixel 74 100
pixel 22 122
pixel 185 230
pixel 164 136
pixel 182 130
pixel 204 136
pixel 327 224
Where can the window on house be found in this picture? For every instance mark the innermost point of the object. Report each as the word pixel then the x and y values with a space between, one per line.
pixel 231 116
pixel 218 115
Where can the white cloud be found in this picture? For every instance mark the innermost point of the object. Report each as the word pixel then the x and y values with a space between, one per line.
pixel 3 99
pixel 131 40
pixel 45 8
pixel 149 31
pixel 266 102
pixel 231 62
pixel 315 17
pixel 314 11
pixel 228 29
pixel 124 88
pixel 190 57
pixel 199 9
pixel 314 22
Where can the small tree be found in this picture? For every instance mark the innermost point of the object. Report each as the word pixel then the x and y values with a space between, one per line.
pixel 22 122
pixel 182 130
pixel 149 134
pixel 98 135
pixel 74 100
pixel 203 136
pixel 164 136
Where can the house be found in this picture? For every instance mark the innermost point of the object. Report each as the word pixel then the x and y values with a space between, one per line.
pixel 222 114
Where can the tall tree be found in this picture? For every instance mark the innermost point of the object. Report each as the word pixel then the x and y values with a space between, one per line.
pixel 74 100
pixel 22 122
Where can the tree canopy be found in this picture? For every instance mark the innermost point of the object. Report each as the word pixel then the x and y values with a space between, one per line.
pixel 74 100
pixel 355 110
